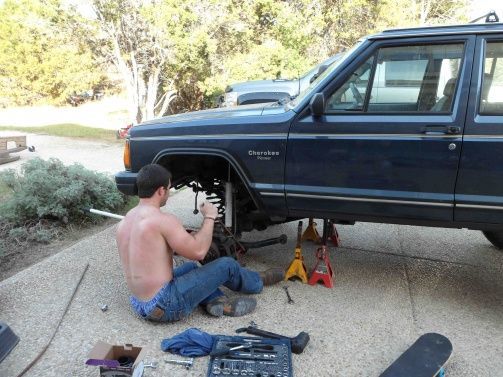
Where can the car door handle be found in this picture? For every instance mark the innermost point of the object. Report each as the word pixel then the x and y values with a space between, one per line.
pixel 445 130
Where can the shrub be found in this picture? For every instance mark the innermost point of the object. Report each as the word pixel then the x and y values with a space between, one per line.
pixel 47 195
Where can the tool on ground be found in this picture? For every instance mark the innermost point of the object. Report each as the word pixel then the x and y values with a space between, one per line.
pixel 186 363
pixel 104 307
pixel 311 233
pixel 261 357
pixel 224 351
pixel 425 358
pixel 152 364
pixel 322 271
pixel 290 301
pixel 298 343
pixel 297 267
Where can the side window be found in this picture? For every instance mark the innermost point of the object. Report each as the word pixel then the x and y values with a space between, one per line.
pixel 491 98
pixel 420 78
pixel 396 82
pixel 351 95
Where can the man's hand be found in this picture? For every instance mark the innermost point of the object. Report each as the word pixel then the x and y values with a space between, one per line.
pixel 208 209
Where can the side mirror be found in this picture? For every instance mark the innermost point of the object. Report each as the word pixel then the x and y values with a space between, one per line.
pixel 317 104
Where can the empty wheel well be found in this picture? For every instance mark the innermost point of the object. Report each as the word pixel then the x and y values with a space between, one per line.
pixel 202 167
pixel 208 174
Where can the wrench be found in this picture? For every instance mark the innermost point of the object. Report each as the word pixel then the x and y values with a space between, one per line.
pixel 152 364
pixel 290 301
pixel 186 363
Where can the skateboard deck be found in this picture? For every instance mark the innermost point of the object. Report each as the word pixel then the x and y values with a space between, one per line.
pixel 425 358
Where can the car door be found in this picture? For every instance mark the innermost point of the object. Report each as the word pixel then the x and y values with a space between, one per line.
pixel 389 141
pixel 479 191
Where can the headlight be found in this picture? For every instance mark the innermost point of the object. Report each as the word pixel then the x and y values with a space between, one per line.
pixel 230 99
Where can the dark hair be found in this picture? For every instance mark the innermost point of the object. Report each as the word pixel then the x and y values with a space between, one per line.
pixel 150 178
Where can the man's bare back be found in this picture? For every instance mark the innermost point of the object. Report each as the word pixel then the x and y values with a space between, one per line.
pixel 146 257
pixel 146 238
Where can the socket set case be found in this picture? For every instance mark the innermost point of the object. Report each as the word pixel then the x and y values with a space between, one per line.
pixel 260 357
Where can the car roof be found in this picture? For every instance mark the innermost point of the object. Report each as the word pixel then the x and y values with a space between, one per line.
pixel 487 28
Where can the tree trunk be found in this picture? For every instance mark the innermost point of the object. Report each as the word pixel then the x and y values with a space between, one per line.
pixel 152 89
pixel 164 102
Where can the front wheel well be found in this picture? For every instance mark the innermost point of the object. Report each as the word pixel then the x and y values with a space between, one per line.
pixel 208 174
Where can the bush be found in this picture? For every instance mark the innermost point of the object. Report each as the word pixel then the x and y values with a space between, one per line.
pixel 47 195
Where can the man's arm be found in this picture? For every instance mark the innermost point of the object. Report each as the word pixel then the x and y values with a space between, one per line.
pixel 190 245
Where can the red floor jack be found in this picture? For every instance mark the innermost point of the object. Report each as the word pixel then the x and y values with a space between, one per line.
pixel 323 270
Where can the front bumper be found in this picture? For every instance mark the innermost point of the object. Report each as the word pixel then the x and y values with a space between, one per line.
pixel 126 182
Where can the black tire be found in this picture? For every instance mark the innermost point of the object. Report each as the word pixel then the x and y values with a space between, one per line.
pixel 495 237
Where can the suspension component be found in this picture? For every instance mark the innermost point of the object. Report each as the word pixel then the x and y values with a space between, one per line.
pixel 229 197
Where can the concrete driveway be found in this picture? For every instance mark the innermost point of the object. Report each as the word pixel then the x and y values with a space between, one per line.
pixel 392 284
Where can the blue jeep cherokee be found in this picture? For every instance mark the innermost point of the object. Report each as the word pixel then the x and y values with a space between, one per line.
pixel 405 128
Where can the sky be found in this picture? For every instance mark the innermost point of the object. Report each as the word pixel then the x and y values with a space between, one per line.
pixel 481 7
pixel 477 9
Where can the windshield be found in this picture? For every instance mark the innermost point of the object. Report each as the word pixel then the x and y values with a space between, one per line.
pixel 327 63
pixel 341 58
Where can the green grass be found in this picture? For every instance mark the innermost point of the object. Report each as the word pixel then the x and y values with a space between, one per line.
pixel 67 130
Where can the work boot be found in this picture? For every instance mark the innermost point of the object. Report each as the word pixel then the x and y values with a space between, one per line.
pixel 272 276
pixel 234 307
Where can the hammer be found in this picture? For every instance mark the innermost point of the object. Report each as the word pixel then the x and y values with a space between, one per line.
pixel 298 343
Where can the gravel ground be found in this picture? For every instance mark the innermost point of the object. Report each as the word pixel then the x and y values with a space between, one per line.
pixel 94 155
pixel 385 295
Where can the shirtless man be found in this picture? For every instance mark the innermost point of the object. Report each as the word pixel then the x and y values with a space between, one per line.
pixel 146 239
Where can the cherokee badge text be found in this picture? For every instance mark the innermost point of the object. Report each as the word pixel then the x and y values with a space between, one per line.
pixel 263 155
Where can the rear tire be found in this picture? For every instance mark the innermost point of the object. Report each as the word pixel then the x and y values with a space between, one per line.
pixel 495 237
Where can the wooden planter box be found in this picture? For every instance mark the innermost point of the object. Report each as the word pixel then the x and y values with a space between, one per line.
pixel 5 153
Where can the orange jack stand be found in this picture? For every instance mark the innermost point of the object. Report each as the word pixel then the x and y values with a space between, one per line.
pixel 297 268
pixel 311 233
pixel 323 270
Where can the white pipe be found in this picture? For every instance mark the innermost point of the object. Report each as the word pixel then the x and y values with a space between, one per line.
pixel 228 204
pixel 106 214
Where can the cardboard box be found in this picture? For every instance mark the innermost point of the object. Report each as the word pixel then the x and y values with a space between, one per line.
pixel 114 360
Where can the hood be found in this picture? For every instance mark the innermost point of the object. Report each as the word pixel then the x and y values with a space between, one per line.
pixel 219 115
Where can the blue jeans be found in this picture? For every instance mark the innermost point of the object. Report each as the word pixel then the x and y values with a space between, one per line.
pixel 192 286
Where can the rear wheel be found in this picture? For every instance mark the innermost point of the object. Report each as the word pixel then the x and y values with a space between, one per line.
pixel 495 237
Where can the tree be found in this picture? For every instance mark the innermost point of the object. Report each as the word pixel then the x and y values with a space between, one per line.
pixel 179 55
pixel 38 58
pixel 123 36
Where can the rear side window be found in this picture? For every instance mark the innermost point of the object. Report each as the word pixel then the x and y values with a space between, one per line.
pixel 417 78
pixel 491 97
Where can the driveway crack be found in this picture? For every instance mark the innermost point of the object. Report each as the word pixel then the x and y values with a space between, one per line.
pixel 409 282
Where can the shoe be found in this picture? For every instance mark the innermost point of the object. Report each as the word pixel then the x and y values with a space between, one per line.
pixel 272 276
pixel 235 307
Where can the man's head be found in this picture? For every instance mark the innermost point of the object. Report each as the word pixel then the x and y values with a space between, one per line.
pixel 151 180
